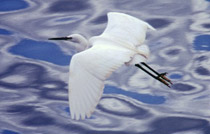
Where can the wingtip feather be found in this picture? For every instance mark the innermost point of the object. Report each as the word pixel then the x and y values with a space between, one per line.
pixel 151 27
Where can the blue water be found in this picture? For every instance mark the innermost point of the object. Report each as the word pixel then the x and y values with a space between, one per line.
pixel 12 5
pixel 4 32
pixel 40 50
pixel 34 70
pixel 145 98
pixel 202 42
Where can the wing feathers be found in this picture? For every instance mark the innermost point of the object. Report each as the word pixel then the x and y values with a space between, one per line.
pixel 88 70
pixel 124 30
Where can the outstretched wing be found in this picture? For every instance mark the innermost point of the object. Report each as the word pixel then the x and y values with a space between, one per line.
pixel 125 30
pixel 88 70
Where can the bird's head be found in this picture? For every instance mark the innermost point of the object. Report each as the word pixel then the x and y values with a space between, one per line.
pixel 75 38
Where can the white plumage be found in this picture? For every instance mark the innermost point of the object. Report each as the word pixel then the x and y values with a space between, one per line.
pixel 120 43
pixel 88 70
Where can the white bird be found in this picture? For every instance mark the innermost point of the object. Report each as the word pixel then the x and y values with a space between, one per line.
pixel 120 43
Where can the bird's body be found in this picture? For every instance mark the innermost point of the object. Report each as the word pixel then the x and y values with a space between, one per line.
pixel 121 43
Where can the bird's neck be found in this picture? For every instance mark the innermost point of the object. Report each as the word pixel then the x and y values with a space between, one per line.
pixel 84 42
pixel 80 42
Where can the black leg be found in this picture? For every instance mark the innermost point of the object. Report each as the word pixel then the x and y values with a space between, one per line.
pixel 139 66
pixel 143 63
pixel 159 77
pixel 162 75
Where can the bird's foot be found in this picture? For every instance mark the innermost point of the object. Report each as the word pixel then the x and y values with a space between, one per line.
pixel 158 76
pixel 162 78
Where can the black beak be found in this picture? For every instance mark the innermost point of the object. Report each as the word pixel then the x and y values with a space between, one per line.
pixel 60 38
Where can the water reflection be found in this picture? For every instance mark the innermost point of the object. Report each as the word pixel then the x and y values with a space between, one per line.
pixel 5 32
pixel 41 51
pixel 12 5
pixel 146 98
pixel 158 22
pixel 39 120
pixel 183 87
pixel 34 71
pixel 202 42
pixel 21 75
pixel 120 107
pixel 174 124
pixel 100 20
pixel 9 132
pixel 68 6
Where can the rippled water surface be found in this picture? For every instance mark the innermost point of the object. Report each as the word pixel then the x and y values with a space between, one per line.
pixel 34 71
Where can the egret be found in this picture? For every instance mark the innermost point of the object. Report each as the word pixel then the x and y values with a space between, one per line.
pixel 122 42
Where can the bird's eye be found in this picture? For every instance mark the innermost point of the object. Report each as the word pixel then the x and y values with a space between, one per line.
pixel 69 38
